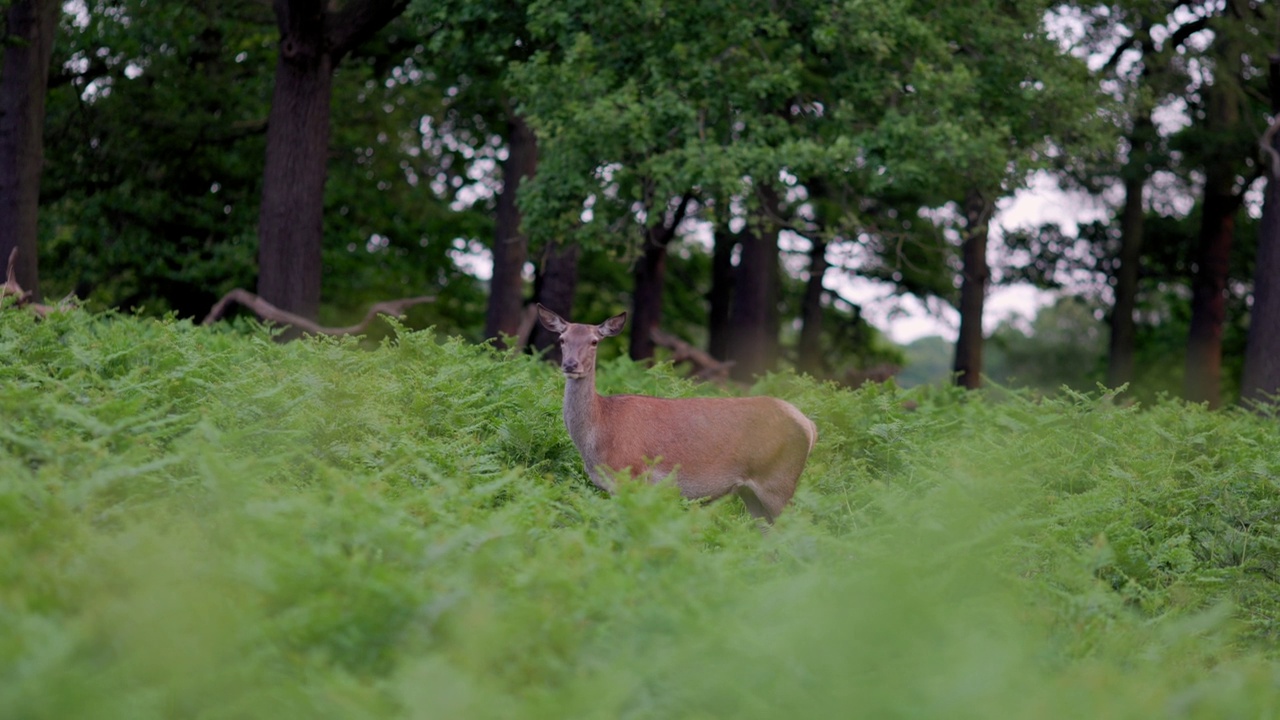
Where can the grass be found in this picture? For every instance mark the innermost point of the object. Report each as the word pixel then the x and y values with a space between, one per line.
pixel 202 523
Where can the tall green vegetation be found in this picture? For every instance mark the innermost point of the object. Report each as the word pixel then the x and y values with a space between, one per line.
pixel 206 523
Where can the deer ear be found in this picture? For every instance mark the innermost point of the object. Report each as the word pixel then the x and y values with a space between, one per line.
pixel 613 325
pixel 551 321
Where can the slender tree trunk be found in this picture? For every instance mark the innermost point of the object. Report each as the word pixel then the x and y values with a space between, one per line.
pixel 313 39
pixel 555 286
pixel 1208 297
pixel 23 82
pixel 973 290
pixel 1132 221
pixel 510 244
pixel 1261 381
pixel 649 277
pixel 753 319
pixel 1217 230
pixel 810 358
pixel 720 297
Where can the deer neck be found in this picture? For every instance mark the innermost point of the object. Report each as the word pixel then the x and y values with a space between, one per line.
pixel 581 409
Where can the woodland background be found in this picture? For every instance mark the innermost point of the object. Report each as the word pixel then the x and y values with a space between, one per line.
pixel 717 168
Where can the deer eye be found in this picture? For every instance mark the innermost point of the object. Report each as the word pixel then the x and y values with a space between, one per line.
pixel 595 343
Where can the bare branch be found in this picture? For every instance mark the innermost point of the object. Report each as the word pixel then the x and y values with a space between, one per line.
pixel 11 288
pixel 705 367
pixel 271 313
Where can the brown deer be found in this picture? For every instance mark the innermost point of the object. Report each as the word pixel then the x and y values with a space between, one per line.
pixel 755 446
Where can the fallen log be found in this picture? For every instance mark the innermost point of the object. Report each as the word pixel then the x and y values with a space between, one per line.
pixel 270 313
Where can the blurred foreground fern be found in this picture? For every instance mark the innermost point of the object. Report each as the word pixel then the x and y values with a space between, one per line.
pixel 204 523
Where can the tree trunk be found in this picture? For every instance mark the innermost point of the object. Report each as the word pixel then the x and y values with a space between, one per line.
pixel 1132 221
pixel 555 286
pixel 721 295
pixel 1208 295
pixel 973 291
pixel 23 82
pixel 753 319
pixel 1261 381
pixel 649 277
pixel 510 245
pixel 809 352
pixel 1218 209
pixel 291 220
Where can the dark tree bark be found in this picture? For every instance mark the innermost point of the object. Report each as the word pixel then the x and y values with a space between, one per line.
pixel 649 277
pixel 753 318
pixel 31 25
pixel 554 287
pixel 1218 210
pixel 1208 293
pixel 1261 380
pixel 810 358
pixel 510 244
pixel 1132 221
pixel 313 40
pixel 720 297
pixel 973 290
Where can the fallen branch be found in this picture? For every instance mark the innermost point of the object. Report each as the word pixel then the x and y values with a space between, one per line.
pixel 705 367
pixel 271 313
pixel 11 288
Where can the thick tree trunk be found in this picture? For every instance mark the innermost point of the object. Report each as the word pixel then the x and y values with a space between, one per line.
pixel 555 286
pixel 753 319
pixel 291 220
pixel 973 291
pixel 1132 221
pixel 23 82
pixel 720 297
pixel 313 40
pixel 648 278
pixel 510 244
pixel 809 352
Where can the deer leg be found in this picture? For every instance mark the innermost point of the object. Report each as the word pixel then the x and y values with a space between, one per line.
pixel 756 505
pixel 767 499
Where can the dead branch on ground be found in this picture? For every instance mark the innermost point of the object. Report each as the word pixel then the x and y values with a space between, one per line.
pixel 270 313
pixel 11 288
pixel 705 367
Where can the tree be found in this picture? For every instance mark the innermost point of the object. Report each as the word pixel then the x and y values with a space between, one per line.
pixel 510 243
pixel 29 33
pixel 1261 382
pixel 1221 138
pixel 314 37
pixel 975 275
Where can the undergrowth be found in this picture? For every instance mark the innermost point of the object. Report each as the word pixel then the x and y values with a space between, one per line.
pixel 204 523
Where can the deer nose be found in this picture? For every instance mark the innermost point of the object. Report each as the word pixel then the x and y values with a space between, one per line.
pixel 569 366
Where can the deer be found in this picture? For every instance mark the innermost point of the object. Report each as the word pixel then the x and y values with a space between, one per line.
pixel 755 447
